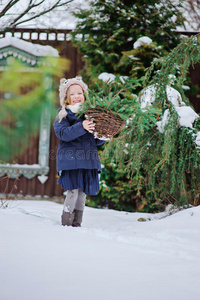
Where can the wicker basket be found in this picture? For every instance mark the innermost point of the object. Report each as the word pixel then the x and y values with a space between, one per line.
pixel 106 123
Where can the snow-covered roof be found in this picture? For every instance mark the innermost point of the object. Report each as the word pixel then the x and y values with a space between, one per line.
pixel 34 49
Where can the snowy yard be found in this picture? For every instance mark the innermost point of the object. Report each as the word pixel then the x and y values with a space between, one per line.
pixel 111 257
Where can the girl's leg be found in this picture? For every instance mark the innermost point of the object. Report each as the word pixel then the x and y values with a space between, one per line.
pixel 69 206
pixel 70 200
pixel 79 208
pixel 80 203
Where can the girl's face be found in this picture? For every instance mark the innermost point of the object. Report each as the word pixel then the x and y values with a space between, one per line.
pixel 76 94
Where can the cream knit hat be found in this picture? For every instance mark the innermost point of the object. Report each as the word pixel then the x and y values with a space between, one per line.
pixel 66 83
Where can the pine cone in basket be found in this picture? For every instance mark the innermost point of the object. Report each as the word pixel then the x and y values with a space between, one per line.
pixel 106 123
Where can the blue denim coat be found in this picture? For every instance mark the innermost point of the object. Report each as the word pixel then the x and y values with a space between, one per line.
pixel 77 147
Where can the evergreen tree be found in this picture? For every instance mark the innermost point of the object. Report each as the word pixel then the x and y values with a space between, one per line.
pixel 154 165
pixel 106 32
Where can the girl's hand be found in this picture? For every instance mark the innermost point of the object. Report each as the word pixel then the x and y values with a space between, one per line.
pixel 88 125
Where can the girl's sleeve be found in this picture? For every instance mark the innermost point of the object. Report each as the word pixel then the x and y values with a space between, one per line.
pixel 67 133
pixel 99 142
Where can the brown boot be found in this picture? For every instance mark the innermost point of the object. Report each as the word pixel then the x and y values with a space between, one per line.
pixel 78 216
pixel 67 218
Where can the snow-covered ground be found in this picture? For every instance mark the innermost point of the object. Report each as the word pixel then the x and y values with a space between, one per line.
pixel 112 256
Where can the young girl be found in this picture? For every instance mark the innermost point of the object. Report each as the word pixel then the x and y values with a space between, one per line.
pixel 78 163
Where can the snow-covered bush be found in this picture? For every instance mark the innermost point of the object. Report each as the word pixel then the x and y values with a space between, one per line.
pixel 162 158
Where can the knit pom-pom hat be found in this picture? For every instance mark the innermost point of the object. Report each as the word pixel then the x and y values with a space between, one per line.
pixel 66 83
